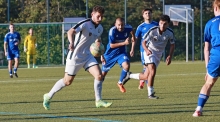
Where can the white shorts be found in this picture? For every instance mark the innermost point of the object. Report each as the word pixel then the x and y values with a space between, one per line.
pixel 75 63
pixel 153 58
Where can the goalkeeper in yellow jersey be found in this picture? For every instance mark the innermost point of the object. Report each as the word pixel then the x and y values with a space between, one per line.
pixel 30 45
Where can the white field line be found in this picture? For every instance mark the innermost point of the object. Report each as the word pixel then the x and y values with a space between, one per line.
pixel 84 78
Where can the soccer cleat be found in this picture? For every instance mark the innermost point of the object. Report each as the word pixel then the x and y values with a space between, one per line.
pixel 11 76
pixel 197 113
pixel 46 102
pixel 101 103
pixel 125 80
pixel 141 85
pixel 152 96
pixel 121 87
pixel 16 75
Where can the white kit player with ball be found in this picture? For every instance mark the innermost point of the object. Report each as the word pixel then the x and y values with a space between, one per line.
pixel 79 56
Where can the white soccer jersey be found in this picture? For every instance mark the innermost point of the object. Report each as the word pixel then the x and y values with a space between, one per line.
pixel 157 42
pixel 86 34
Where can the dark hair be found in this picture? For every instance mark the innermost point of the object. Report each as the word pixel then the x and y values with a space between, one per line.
pixel 120 19
pixel 99 9
pixel 165 18
pixel 146 9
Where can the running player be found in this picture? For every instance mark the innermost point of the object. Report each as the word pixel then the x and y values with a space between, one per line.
pixel 142 29
pixel 155 41
pixel 116 50
pixel 11 42
pixel 79 56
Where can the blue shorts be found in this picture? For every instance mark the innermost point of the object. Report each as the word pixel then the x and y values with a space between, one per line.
pixel 111 61
pixel 12 55
pixel 213 67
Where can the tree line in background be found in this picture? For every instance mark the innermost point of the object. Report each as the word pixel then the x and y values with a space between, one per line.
pixel 35 11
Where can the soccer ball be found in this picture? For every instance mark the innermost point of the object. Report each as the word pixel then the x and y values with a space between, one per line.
pixel 97 49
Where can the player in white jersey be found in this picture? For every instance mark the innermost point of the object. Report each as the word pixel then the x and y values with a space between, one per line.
pixel 142 29
pixel 79 56
pixel 154 43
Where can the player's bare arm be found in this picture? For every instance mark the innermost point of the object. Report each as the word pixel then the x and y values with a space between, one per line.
pixel 148 52
pixel 206 52
pixel 70 35
pixel 169 57
pixel 5 48
pixel 133 43
pixel 119 44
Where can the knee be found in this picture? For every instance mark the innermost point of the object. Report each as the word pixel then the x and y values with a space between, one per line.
pixel 99 77
pixel 67 82
pixel 209 84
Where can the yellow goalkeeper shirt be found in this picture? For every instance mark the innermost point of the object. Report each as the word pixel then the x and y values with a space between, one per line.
pixel 29 44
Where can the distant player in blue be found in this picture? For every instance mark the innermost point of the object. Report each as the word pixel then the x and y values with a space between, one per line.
pixel 141 30
pixel 212 57
pixel 116 50
pixel 11 42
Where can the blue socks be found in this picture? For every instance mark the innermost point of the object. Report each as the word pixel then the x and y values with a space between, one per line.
pixel 202 100
pixel 123 75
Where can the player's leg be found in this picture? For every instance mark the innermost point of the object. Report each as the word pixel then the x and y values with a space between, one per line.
pixel 16 63
pixel 34 61
pixel 213 72
pixel 28 60
pixel 66 81
pixel 10 68
pixel 151 72
pixel 93 68
pixel 124 63
pixel 141 83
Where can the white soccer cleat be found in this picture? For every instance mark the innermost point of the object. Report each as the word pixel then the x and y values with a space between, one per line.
pixel 197 113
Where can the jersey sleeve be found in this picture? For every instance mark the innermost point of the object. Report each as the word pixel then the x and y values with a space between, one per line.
pixel 80 26
pixel 207 34
pixel 19 37
pixel 6 38
pixel 138 32
pixel 111 36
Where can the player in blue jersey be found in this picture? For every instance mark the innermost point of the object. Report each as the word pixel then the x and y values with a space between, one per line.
pixel 116 49
pixel 212 57
pixel 11 42
pixel 141 30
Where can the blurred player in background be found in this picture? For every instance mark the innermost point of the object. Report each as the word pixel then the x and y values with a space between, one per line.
pixel 154 43
pixel 142 29
pixel 30 45
pixel 212 57
pixel 1 56
pixel 11 42
pixel 116 50
pixel 79 56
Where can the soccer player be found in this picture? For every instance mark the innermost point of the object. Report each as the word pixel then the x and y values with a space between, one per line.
pixel 79 56
pixel 141 30
pixel 116 50
pixel 30 45
pixel 11 42
pixel 212 57
pixel 154 43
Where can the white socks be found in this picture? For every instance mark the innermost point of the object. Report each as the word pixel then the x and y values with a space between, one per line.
pixel 135 76
pixel 98 89
pixel 57 87
pixel 150 90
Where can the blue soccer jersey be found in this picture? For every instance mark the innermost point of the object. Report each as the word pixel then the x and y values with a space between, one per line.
pixel 116 37
pixel 12 49
pixel 212 36
pixel 142 29
pixel 11 39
